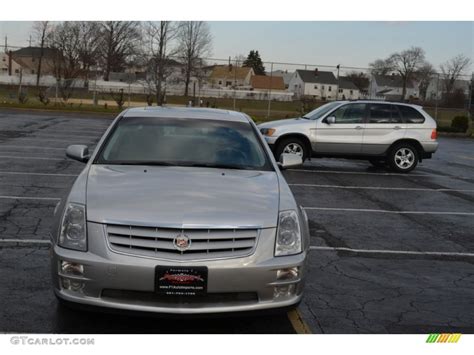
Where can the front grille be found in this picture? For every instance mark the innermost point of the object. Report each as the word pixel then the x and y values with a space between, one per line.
pixel 159 242
pixel 151 298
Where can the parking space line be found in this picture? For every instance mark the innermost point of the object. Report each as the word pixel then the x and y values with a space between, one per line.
pixel 382 188
pixel 30 198
pixel 25 241
pixel 29 147
pixel 299 325
pixel 388 211
pixel 359 173
pixel 392 252
pixel 34 158
pixel 35 174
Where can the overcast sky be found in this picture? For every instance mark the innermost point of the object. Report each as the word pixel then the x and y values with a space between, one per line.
pixel 347 43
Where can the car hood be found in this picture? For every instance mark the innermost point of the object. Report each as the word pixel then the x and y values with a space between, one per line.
pixel 182 197
pixel 278 123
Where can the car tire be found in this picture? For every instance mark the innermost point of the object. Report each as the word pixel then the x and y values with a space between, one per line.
pixel 377 163
pixel 291 145
pixel 403 157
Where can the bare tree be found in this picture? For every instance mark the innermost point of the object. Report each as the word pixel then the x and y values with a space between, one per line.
pixel 41 30
pixel 406 63
pixel 381 67
pixel 66 39
pixel 451 70
pixel 89 46
pixel 194 40
pixel 119 41
pixel 424 76
pixel 158 38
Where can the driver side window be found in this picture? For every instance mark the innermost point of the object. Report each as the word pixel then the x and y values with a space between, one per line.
pixel 352 113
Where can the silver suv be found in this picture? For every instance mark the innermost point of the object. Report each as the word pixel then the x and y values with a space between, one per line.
pixel 396 134
pixel 180 211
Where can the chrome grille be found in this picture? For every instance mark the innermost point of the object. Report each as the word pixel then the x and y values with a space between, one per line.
pixel 159 242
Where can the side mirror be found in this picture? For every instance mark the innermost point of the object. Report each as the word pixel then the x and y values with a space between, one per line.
pixel 78 152
pixel 330 120
pixel 290 161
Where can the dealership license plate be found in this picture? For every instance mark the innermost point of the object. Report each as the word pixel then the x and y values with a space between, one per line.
pixel 181 281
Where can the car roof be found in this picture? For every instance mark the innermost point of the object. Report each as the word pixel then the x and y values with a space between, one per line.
pixel 186 112
pixel 381 102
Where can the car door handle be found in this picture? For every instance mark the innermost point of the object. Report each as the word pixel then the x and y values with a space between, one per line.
pixel 359 127
pixel 397 128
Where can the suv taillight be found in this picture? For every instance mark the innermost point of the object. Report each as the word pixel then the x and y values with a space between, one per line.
pixel 434 134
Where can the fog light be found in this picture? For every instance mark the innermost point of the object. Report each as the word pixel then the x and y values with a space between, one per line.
pixel 71 284
pixel 288 274
pixel 284 291
pixel 70 268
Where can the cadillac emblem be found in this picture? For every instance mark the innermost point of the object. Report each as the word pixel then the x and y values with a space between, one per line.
pixel 182 242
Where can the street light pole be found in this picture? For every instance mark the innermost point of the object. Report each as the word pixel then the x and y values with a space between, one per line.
pixel 337 89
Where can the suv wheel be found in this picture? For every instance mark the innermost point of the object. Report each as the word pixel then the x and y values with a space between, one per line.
pixel 291 146
pixel 403 157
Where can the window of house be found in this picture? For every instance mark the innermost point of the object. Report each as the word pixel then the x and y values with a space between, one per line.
pixel 228 83
pixel 220 82
pixel 316 87
pixel 330 88
pixel 351 92
pixel 3 59
pixel 322 87
pixel 16 71
pixel 32 71
pixel 340 91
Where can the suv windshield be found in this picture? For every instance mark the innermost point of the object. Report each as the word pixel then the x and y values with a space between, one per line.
pixel 321 111
pixel 184 142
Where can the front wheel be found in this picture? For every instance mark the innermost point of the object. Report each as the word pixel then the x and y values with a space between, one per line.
pixel 403 157
pixel 292 146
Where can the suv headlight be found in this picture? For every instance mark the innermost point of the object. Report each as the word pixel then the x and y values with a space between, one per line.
pixel 73 229
pixel 267 131
pixel 288 240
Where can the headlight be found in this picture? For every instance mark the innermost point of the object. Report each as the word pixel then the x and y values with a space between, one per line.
pixel 73 229
pixel 267 131
pixel 288 240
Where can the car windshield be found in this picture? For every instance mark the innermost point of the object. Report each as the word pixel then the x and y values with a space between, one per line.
pixel 184 142
pixel 321 111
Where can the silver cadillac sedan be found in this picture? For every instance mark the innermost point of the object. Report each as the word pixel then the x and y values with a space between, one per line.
pixel 180 210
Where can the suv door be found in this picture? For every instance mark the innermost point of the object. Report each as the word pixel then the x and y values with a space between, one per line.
pixel 345 135
pixel 384 126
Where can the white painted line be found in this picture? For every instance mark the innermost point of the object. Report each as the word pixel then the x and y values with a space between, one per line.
pixel 34 158
pixel 388 211
pixel 355 172
pixel 30 198
pixel 382 188
pixel 30 147
pixel 392 252
pixel 25 241
pixel 465 157
pixel 35 174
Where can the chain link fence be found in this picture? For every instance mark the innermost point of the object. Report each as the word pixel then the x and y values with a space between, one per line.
pixel 283 90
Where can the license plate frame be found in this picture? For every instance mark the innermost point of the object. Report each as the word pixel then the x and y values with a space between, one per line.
pixel 181 280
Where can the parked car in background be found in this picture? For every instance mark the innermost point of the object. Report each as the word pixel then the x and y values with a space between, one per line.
pixel 180 210
pixel 397 134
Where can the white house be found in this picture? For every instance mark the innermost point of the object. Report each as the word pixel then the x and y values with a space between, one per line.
pixel 284 74
pixel 437 89
pixel 347 89
pixel 390 87
pixel 321 85
pixel 5 62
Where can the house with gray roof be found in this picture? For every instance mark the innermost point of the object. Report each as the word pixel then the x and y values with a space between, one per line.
pixel 320 85
pixel 390 87
pixel 347 89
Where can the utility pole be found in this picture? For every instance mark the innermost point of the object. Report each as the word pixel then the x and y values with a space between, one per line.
pixel 270 92
pixel 30 40
pixel 235 79
pixel 437 97
pixel 337 89
pixel 6 44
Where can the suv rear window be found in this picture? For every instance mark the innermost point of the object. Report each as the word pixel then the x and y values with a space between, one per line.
pixel 410 115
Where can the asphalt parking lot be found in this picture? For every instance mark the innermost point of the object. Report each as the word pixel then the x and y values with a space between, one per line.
pixel 391 253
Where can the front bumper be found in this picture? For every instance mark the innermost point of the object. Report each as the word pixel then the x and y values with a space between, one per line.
pixel 127 282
